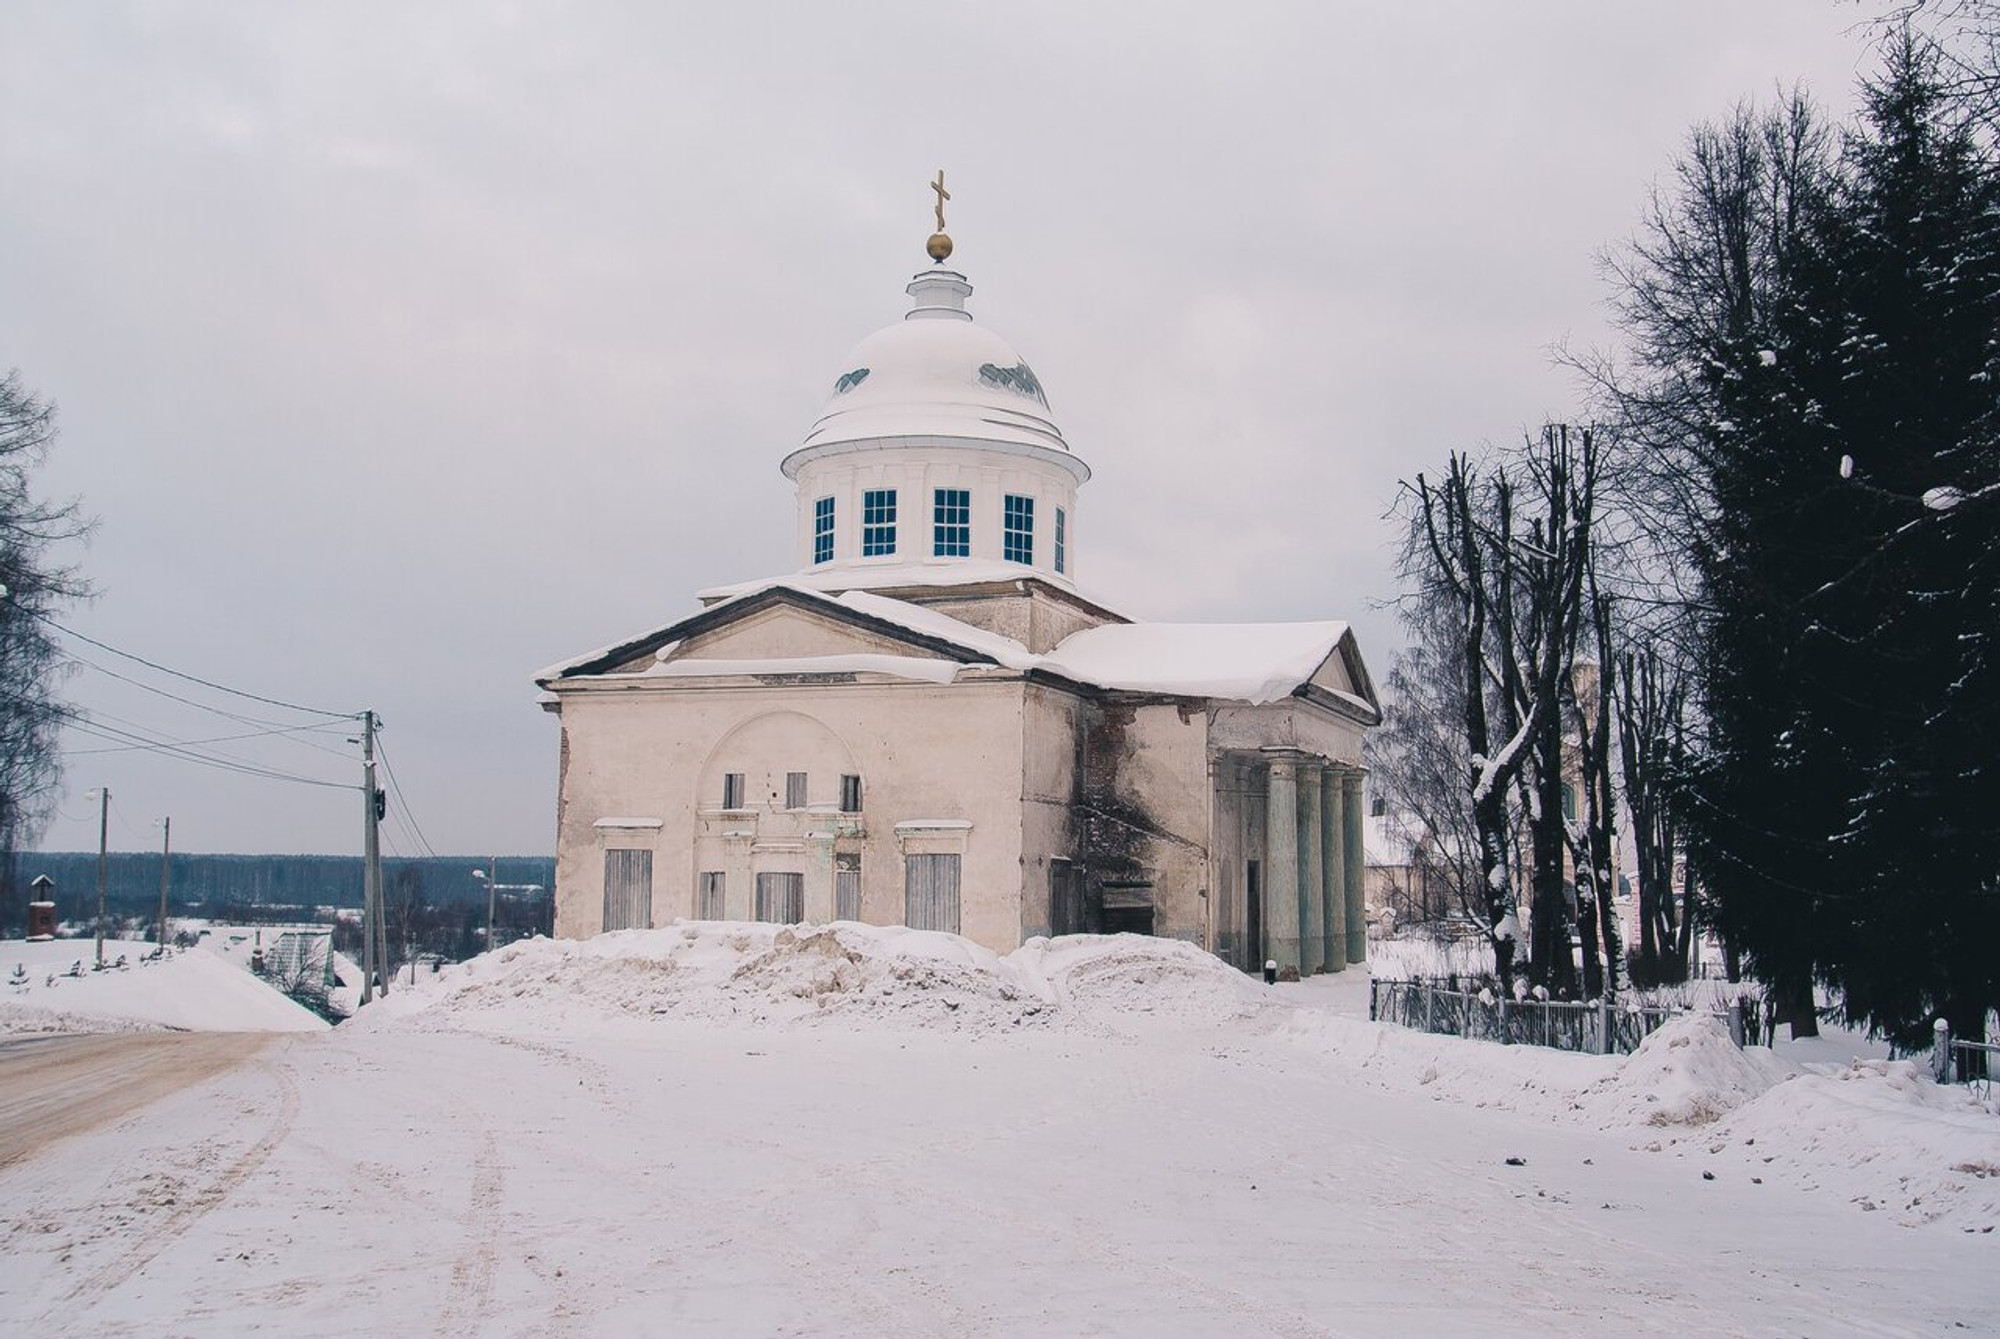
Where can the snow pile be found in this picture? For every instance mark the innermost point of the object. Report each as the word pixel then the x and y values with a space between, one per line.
pixel 844 974
pixel 1687 1073
pixel 1881 1133
pixel 1110 982
pixel 192 991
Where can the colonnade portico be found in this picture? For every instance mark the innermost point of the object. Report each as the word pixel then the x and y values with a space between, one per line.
pixel 1314 916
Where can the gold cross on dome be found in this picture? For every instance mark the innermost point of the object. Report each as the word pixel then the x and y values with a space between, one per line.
pixel 942 196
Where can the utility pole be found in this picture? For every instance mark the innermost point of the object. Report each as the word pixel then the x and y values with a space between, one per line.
pixel 103 838
pixel 166 854
pixel 371 867
pixel 491 896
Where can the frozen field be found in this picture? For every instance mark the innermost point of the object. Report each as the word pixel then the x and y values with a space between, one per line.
pixel 731 1130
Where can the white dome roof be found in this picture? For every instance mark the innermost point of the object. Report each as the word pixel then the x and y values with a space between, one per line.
pixel 935 379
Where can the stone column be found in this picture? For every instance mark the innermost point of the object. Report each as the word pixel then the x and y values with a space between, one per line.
pixel 1312 905
pixel 1357 871
pixel 1281 866
pixel 1333 868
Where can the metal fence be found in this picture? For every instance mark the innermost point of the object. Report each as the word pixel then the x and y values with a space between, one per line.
pixel 1599 1028
pixel 1973 1063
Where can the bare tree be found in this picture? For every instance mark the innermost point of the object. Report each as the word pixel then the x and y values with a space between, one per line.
pixel 1592 834
pixel 31 663
pixel 1652 715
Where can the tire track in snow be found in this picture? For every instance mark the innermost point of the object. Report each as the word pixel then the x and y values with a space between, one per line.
pixel 875 1312
pixel 97 1285
pixel 469 1299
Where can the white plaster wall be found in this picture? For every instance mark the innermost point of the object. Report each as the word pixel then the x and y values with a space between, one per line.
pixel 924 751
pixel 1291 724
pixel 914 472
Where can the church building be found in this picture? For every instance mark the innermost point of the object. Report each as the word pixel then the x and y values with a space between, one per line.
pixel 932 723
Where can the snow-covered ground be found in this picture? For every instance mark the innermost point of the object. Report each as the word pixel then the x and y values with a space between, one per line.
pixel 192 990
pixel 744 1130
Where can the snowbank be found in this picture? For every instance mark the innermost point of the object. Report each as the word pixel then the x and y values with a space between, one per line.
pixel 192 991
pixel 1687 1073
pixel 1878 1132
pixel 843 974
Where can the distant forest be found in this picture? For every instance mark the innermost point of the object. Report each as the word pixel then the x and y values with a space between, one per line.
pixel 208 884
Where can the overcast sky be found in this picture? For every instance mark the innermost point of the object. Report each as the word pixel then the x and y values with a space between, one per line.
pixel 402 350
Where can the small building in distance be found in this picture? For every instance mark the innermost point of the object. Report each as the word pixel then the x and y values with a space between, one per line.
pixel 932 723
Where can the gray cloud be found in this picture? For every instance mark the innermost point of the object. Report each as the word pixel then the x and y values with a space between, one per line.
pixel 402 350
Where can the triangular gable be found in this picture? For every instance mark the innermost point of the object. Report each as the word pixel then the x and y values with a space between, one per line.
pixel 786 632
pixel 742 620
pixel 1343 675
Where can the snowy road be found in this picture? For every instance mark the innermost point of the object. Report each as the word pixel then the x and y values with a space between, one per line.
pixel 727 1180
pixel 54 1087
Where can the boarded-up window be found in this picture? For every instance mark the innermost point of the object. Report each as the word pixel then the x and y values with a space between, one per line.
pixel 1065 899
pixel 795 790
pixel 732 790
pixel 714 883
pixel 850 795
pixel 781 898
pixel 628 890
pixel 847 886
pixel 930 892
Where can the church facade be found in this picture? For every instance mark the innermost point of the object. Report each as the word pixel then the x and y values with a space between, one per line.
pixel 931 723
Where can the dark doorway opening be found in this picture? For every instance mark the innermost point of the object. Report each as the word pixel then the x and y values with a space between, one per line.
pixel 1128 908
pixel 1253 916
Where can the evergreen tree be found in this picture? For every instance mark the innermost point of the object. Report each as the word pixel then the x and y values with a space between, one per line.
pixel 1845 544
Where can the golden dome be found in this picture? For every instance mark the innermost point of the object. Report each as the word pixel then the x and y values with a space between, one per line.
pixel 938 247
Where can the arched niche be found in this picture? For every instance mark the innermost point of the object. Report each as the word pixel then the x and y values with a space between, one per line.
pixel 766 748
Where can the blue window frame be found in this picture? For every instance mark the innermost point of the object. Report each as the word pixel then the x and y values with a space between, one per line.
pixel 823 530
pixel 1017 529
pixel 1062 541
pixel 878 522
pixel 951 522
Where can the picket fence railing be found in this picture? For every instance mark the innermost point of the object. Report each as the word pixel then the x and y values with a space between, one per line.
pixel 1597 1027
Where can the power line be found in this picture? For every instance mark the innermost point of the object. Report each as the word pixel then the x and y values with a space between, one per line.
pixel 217 739
pixel 191 678
pixel 277 727
pixel 144 734
pixel 402 803
pixel 181 751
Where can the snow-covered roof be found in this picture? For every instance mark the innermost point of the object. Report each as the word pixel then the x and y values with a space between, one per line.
pixel 935 376
pixel 896 575
pixel 1243 662
pixel 1240 662
pixel 924 668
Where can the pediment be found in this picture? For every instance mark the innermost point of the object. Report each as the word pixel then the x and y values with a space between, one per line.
pixel 1345 674
pixel 787 632
pixel 777 624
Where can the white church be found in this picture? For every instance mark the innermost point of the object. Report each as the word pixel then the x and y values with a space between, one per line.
pixel 931 722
